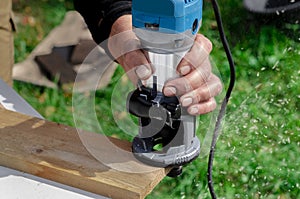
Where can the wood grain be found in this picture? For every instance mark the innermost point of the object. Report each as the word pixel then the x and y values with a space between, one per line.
pixel 56 152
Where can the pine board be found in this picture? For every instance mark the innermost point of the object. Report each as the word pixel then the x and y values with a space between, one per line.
pixel 56 152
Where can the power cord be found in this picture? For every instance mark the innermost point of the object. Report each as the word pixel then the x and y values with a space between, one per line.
pixel 225 100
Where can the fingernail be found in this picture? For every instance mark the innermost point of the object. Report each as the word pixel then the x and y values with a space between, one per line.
pixel 187 101
pixel 142 71
pixel 185 70
pixel 168 91
pixel 194 110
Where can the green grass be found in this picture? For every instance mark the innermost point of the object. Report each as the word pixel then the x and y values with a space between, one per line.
pixel 257 154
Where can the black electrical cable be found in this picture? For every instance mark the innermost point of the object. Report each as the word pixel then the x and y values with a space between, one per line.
pixel 225 100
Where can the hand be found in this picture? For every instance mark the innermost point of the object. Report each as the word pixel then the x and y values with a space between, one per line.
pixel 197 85
pixel 125 47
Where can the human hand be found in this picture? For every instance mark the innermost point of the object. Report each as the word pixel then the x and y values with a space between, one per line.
pixel 197 85
pixel 125 47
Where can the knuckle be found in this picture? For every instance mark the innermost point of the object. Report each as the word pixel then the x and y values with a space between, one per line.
pixel 218 85
pixel 204 41
pixel 209 106
pixel 209 45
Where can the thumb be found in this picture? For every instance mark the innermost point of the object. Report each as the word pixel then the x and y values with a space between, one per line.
pixel 136 65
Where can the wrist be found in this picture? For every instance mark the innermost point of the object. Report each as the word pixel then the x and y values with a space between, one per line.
pixel 123 23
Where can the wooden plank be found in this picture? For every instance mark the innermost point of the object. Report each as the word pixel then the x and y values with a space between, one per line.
pixel 56 152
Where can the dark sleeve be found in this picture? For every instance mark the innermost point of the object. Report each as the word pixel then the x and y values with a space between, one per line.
pixel 100 15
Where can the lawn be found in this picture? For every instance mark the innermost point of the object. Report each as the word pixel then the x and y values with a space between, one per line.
pixel 257 154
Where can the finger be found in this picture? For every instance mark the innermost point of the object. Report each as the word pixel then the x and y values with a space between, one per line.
pixel 125 47
pixel 203 107
pixel 208 90
pixel 195 79
pixel 196 56
pixel 136 65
